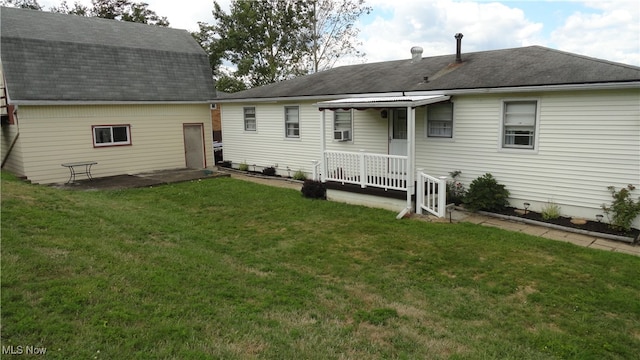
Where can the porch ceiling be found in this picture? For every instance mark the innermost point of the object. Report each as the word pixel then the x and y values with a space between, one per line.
pixel 381 102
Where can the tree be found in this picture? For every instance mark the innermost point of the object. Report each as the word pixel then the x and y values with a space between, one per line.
pixel 266 40
pixel 333 32
pixel 206 38
pixel 24 4
pixel 123 10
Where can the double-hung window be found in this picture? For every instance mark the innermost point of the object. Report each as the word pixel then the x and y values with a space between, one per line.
pixel 440 120
pixel 250 119
pixel 519 124
pixel 111 135
pixel 342 125
pixel 292 121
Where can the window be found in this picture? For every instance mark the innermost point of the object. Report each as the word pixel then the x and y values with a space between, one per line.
pixel 342 125
pixel 519 124
pixel 291 121
pixel 249 119
pixel 440 120
pixel 111 135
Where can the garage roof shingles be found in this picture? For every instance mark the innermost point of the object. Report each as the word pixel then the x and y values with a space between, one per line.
pixel 57 57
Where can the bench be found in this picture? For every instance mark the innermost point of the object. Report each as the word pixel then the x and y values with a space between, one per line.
pixel 80 167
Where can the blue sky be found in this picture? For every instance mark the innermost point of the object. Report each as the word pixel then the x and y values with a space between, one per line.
pixel 605 29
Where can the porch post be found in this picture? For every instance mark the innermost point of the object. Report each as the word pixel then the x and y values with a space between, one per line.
pixel 323 147
pixel 411 150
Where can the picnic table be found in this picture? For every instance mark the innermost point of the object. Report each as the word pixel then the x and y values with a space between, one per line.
pixel 79 167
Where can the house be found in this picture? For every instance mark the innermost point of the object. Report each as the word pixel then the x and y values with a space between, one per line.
pixel 550 125
pixel 131 97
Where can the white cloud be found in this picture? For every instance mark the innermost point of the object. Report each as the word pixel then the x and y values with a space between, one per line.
pixel 433 24
pixel 612 34
pixel 610 31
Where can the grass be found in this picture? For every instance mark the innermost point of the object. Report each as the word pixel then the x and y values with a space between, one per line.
pixel 222 268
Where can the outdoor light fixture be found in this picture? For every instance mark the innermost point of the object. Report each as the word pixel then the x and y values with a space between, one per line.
pixel 599 217
pixel 526 206
pixel 449 209
pixel 384 114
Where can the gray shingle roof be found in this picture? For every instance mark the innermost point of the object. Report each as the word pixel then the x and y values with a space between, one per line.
pixel 527 66
pixel 56 57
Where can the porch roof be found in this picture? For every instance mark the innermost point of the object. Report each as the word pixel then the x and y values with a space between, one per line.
pixel 381 102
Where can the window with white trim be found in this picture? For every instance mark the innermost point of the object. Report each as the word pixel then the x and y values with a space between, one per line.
pixel 342 125
pixel 519 124
pixel 111 135
pixel 292 121
pixel 249 119
pixel 440 120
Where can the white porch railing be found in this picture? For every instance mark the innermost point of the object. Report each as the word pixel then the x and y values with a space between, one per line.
pixel 431 194
pixel 366 169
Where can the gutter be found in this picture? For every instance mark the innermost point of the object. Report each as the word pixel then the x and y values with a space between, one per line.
pixel 76 102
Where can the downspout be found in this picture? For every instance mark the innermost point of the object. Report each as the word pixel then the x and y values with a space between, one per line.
pixel 13 142
pixel 323 146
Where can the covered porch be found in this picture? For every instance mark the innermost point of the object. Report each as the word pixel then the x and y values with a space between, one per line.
pixel 379 170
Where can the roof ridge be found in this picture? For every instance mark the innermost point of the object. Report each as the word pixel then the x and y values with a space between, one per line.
pixel 585 57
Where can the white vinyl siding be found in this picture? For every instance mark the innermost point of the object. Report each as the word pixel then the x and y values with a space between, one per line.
pixel 268 146
pixel 586 141
pixel 440 120
pixel 292 121
pixel 250 119
pixel 156 135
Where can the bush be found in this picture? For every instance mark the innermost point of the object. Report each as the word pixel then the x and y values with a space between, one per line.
pixel 300 175
pixel 314 190
pixel 550 211
pixel 269 171
pixel 486 194
pixel 243 167
pixel 623 208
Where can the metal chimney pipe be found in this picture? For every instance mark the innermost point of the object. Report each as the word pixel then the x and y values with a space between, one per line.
pixel 458 47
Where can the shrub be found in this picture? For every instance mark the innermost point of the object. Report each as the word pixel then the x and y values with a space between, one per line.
pixel 243 167
pixel 314 190
pixel 300 175
pixel 269 171
pixel 455 190
pixel 623 208
pixel 486 194
pixel 550 211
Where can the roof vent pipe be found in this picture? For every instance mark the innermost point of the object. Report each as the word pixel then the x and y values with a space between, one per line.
pixel 416 53
pixel 458 47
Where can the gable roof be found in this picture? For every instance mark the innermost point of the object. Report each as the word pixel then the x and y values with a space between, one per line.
pixel 49 57
pixel 519 67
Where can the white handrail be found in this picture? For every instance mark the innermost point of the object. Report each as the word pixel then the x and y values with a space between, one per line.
pixel 431 194
pixel 367 169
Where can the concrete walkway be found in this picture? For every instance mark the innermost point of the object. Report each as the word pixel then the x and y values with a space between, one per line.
pixel 463 216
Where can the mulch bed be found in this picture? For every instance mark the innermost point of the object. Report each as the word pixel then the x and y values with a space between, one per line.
pixel 593 226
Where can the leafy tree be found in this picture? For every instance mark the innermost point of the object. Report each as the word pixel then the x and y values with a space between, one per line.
pixel 24 4
pixel 266 39
pixel 78 9
pixel 230 84
pixel 124 10
pixel 206 38
pixel 333 32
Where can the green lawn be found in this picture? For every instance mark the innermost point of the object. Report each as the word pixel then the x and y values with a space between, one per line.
pixel 226 269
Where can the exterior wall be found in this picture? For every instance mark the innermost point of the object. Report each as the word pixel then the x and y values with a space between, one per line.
pixel 14 158
pixel 52 135
pixel 587 141
pixel 268 146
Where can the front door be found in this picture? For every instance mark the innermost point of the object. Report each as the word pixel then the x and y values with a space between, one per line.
pixel 398 132
pixel 194 146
